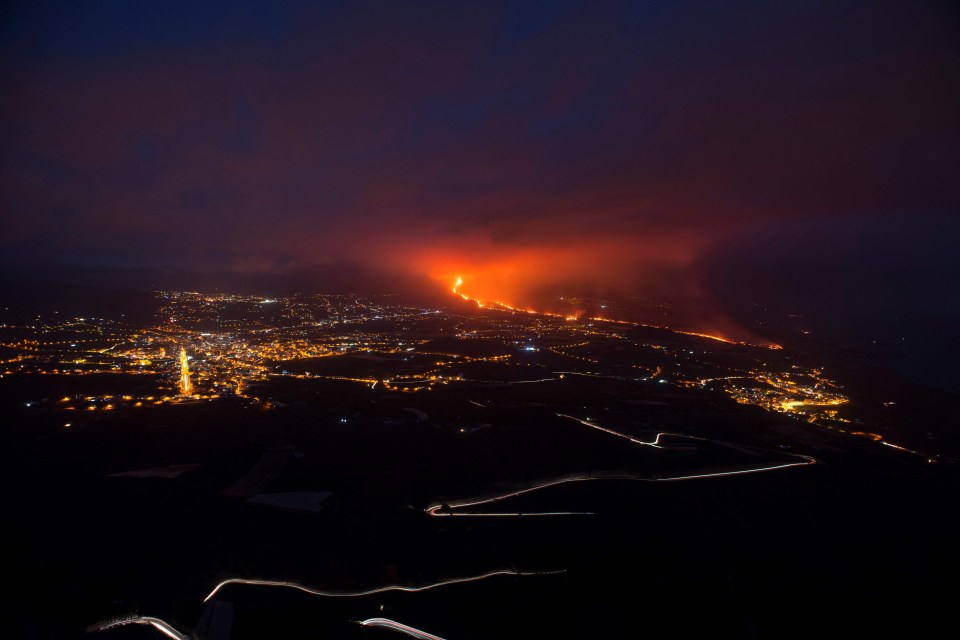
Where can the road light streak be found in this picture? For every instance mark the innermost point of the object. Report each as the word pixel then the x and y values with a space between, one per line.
pixel 166 629
pixel 393 625
pixel 435 510
pixel 161 625
pixel 899 448
pixel 655 443
pixel 367 592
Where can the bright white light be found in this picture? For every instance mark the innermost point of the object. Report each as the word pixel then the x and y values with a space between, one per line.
pixel 656 443
pixel 357 594
pixel 393 625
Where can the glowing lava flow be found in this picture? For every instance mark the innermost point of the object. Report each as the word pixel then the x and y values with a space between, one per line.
pixel 357 594
pixel 447 509
pixel 768 345
pixel 393 625
pixel 457 285
pixel 497 304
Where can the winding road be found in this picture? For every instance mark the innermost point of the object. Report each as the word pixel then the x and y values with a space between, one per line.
pixel 161 625
pixel 367 592
pixel 448 509
pixel 393 625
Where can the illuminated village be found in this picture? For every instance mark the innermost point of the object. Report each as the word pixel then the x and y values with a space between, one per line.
pixel 205 348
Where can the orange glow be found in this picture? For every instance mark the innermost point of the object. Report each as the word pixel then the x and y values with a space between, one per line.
pixel 530 271
pixel 499 304
pixel 486 303
pixel 768 345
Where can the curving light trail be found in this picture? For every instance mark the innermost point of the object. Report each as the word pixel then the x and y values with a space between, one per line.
pixel 435 510
pixel 655 443
pixel 164 627
pixel 367 592
pixel 170 631
pixel 393 625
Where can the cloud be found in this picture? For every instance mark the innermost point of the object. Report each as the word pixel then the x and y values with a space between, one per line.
pixel 530 146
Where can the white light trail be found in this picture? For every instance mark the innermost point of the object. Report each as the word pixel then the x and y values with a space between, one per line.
pixel 435 510
pixel 718 474
pixel 896 446
pixel 393 625
pixel 655 443
pixel 161 625
pixel 166 629
pixel 520 514
pixel 367 592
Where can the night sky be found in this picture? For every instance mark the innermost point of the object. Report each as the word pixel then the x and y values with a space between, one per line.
pixel 802 153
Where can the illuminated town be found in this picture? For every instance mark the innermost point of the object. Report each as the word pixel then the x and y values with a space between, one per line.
pixel 204 348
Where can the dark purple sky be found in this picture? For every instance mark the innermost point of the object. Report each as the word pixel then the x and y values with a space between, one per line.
pixel 664 146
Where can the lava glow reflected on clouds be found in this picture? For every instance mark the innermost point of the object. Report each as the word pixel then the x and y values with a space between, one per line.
pixel 525 277
pixel 653 279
